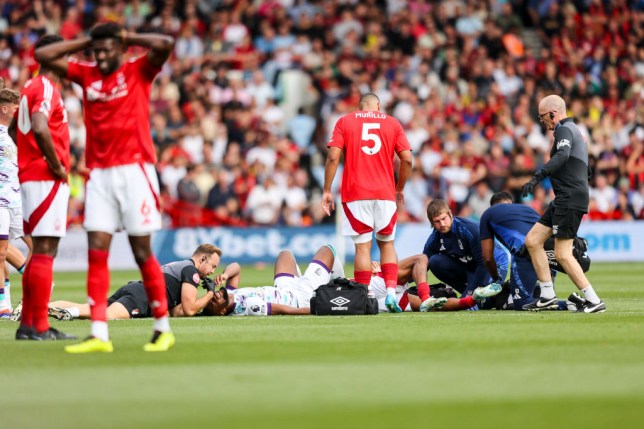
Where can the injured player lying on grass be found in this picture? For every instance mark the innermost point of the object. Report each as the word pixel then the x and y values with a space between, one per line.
pixel 182 279
pixel 291 292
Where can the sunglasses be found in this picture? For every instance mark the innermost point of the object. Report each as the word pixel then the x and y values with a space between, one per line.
pixel 544 114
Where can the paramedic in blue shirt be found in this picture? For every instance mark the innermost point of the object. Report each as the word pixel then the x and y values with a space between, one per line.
pixel 454 251
pixel 510 223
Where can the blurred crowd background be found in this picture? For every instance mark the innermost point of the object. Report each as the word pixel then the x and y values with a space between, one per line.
pixel 242 111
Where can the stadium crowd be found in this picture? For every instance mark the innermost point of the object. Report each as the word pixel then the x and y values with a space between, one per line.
pixel 243 110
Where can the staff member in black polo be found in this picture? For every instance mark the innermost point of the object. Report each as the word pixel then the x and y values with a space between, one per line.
pixel 568 172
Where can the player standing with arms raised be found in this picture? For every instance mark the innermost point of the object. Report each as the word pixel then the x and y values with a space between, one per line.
pixel 568 172
pixel 122 191
pixel 369 139
pixel 43 163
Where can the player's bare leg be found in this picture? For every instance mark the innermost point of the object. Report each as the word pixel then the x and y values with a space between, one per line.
pixel 415 268
pixel 75 310
pixel 362 263
pixel 5 302
pixel 154 284
pixel 534 243
pixel 285 264
pixel 563 254
pixel 389 266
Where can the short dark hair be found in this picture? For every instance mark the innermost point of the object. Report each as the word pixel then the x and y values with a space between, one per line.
pixel 106 30
pixel 500 197
pixel 48 39
pixel 368 98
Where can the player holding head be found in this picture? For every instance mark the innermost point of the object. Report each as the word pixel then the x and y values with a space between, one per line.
pixel 454 252
pixel 569 172
pixel 43 162
pixel 290 294
pixel 122 191
pixel 370 197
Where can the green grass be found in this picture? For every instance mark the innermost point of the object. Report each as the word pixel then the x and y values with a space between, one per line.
pixel 468 369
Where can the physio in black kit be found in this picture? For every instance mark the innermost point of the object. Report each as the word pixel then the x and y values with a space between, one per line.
pixel 568 171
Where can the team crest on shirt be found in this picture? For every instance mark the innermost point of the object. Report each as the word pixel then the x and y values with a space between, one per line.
pixel 442 246
pixel 135 312
pixel 562 143
pixel 196 278
pixel 460 244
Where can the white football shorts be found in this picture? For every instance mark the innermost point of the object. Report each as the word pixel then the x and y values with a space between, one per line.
pixel 10 223
pixel 302 287
pixel 44 206
pixel 123 197
pixel 361 218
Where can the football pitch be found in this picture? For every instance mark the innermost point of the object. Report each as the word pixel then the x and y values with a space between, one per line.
pixel 489 369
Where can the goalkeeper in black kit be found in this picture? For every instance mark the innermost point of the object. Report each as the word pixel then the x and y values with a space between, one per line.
pixel 568 171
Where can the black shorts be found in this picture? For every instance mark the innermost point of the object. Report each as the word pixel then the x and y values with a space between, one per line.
pixel 564 222
pixel 133 297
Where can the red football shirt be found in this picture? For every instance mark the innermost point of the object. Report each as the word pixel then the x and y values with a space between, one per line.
pixel 40 95
pixel 116 112
pixel 369 141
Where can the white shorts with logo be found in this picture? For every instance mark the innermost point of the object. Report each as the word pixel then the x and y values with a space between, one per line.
pixel 377 285
pixel 361 218
pixel 303 286
pixel 10 223
pixel 123 197
pixel 45 208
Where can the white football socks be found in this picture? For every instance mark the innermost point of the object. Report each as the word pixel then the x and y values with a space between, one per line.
pixel 590 295
pixel 162 324
pixel 547 290
pixel 99 330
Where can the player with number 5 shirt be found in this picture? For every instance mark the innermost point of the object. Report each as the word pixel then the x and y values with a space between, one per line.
pixel 369 141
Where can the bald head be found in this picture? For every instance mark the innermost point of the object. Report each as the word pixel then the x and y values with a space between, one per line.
pixel 369 102
pixel 552 103
pixel 552 110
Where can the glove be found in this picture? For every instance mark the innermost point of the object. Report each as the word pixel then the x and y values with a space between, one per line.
pixel 528 188
pixel 208 284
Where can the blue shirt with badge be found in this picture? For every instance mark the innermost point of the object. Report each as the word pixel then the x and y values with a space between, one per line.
pixel 508 223
pixel 463 243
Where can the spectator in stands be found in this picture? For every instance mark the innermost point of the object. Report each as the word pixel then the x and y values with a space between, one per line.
pixel 187 190
pixel 425 59
pixel 264 202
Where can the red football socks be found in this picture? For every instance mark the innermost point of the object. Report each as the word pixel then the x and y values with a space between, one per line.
pixel 40 278
pixel 154 284
pixel 467 302
pixel 26 317
pixel 390 274
pixel 98 284
pixel 362 277
pixel 423 291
